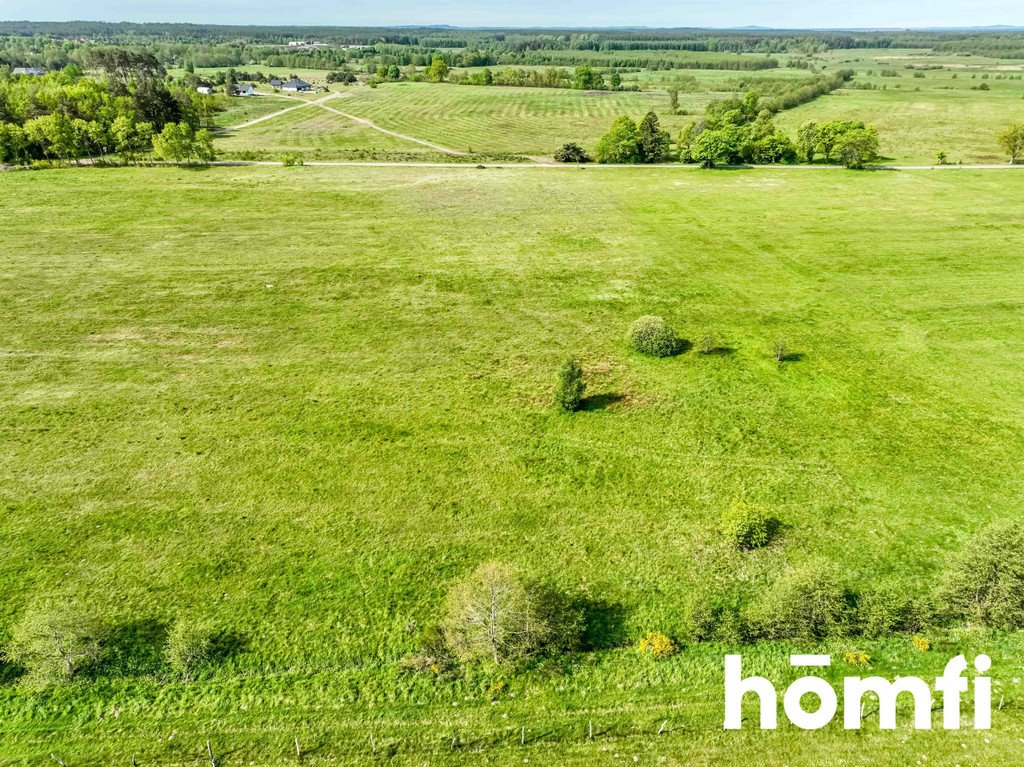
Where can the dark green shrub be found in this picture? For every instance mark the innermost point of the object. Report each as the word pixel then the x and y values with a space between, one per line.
pixel 572 153
pixel 652 336
pixel 570 387
pixel 985 584
pixel 807 602
pixel 190 646
pixel 886 610
pixel 54 642
pixel 748 526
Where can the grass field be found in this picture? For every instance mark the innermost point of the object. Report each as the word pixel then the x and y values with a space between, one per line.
pixel 236 111
pixel 529 121
pixel 958 109
pixel 301 402
pixel 313 133
pixel 918 117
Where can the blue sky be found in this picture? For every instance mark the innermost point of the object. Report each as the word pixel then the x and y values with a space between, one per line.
pixel 576 13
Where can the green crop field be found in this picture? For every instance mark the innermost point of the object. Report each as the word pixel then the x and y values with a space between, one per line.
pixel 300 403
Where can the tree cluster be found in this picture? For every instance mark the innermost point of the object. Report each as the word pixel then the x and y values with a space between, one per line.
pixel 851 143
pixel 65 115
pixel 179 142
pixel 627 142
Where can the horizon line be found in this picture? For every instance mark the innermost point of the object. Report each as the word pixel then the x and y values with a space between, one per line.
pixel 545 27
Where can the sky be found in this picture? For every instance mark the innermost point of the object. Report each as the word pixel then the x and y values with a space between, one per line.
pixel 789 14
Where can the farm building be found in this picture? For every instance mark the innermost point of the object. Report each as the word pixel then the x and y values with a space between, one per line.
pixel 206 90
pixel 275 83
pixel 32 71
pixel 245 89
pixel 296 85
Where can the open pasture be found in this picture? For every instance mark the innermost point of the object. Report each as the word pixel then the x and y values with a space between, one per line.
pixel 300 402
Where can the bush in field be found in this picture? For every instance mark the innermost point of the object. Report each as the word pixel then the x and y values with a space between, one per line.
pixel 985 584
pixel 190 646
pixel 657 645
pixel 886 610
pixel 708 343
pixel 1012 141
pixel 748 526
pixel 808 602
pixel 780 351
pixel 570 387
pixel 652 336
pixel 432 656
pixel 494 615
pixel 55 642
pixel 572 153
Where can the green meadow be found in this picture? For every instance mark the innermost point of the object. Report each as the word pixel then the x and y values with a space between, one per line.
pixel 958 109
pixel 300 403
pixel 316 134
pixel 238 111
pixel 502 120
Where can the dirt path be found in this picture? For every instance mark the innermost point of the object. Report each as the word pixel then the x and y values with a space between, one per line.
pixel 371 124
pixel 272 115
pixel 603 168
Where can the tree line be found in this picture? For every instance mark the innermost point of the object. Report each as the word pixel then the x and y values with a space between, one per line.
pixel 66 116
pixel 737 130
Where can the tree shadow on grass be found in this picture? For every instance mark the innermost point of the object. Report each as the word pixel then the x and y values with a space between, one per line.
pixel 792 357
pixel 719 351
pixel 10 672
pixel 227 644
pixel 135 648
pixel 682 347
pixel 601 401
pixel 604 624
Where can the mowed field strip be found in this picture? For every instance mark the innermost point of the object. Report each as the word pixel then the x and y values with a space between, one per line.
pixel 322 102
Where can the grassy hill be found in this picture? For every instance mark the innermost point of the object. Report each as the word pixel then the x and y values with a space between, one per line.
pixel 299 403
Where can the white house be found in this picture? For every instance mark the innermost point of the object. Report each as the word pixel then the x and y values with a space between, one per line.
pixel 31 71
pixel 206 90
pixel 245 89
pixel 296 85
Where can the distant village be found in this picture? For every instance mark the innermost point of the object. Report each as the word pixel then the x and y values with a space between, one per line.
pixel 294 85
